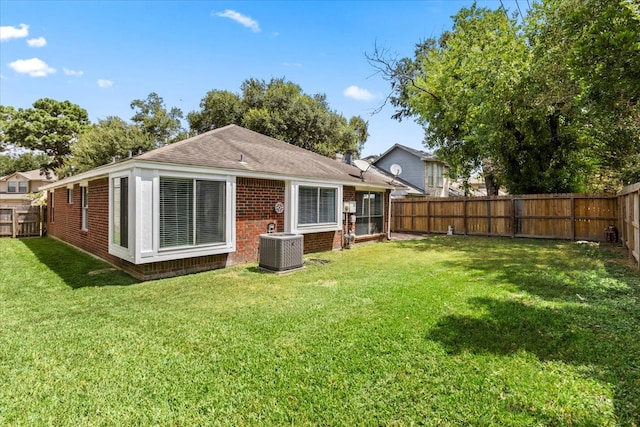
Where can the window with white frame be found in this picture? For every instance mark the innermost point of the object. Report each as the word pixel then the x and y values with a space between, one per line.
pixel 120 212
pixel 22 187
pixel 12 187
pixel 192 212
pixel 434 175
pixel 52 205
pixel 70 196
pixel 317 206
pixel 84 204
pixel 369 213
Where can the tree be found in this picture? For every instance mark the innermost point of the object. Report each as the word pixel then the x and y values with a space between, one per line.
pixel 517 99
pixel 21 163
pixel 218 108
pixel 153 118
pixel 7 113
pixel 105 141
pixel 50 127
pixel 281 109
pixel 597 42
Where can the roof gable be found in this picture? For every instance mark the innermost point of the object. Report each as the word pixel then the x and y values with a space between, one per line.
pixel 32 175
pixel 422 155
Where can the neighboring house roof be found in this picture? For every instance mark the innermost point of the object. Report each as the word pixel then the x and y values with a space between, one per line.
pixel 422 155
pixel 401 187
pixel 33 175
pixel 244 152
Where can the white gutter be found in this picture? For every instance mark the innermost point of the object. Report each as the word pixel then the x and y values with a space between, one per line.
pixel 389 216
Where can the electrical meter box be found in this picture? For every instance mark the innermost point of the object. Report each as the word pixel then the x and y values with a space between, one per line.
pixel 349 207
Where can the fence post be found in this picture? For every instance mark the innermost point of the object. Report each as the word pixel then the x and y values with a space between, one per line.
pixel 488 216
pixel 14 225
pixel 464 215
pixel 573 218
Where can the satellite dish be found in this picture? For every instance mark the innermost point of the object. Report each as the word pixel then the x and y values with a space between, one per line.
pixel 362 165
pixel 395 169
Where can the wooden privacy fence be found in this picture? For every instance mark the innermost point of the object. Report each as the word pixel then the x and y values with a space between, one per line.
pixel 21 221
pixel 629 208
pixel 551 216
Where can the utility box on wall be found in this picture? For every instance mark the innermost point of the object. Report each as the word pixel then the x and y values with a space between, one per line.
pixel 281 251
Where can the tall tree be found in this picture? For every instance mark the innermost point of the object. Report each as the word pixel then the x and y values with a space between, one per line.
pixel 153 118
pixel 22 163
pixel 281 109
pixel 598 44
pixel 7 113
pixel 109 139
pixel 50 127
pixel 518 100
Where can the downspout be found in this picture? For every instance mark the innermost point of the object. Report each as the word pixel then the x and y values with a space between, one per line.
pixel 389 217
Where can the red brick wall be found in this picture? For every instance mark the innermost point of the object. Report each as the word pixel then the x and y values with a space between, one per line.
pixel 255 201
pixel 67 224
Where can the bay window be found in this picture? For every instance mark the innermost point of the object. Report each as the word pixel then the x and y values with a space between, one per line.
pixel 192 212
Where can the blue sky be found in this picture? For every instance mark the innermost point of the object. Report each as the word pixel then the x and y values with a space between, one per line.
pixel 102 55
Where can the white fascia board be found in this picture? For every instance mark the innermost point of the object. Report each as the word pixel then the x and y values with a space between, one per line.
pixel 178 167
pixel 99 172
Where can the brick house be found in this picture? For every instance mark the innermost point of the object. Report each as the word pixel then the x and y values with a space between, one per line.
pixel 202 203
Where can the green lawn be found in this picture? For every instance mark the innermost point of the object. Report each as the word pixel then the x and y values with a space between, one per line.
pixel 441 331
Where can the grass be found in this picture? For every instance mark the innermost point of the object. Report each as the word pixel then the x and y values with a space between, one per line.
pixel 441 331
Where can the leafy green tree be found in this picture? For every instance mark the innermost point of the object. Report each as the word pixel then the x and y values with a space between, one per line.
pixel 21 163
pixel 598 43
pixel 50 127
pixel 153 118
pixel 217 109
pixel 530 103
pixel 7 113
pixel 281 109
pixel 109 139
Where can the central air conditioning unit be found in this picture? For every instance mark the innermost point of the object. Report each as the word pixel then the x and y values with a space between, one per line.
pixel 281 251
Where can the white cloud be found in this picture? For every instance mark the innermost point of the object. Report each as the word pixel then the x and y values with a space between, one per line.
pixel 358 93
pixel 292 64
pixel 240 19
pixel 70 72
pixel 7 33
pixel 39 42
pixel 104 83
pixel 34 67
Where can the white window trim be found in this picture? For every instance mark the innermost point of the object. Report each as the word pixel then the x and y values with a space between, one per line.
pixel 165 254
pixel 84 207
pixel 291 219
pixel 114 249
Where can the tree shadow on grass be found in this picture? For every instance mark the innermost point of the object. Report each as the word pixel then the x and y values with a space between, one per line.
pixel 564 307
pixel 75 268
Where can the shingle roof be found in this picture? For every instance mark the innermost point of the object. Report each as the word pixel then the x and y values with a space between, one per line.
pixel 32 175
pixel 235 148
pixel 422 155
